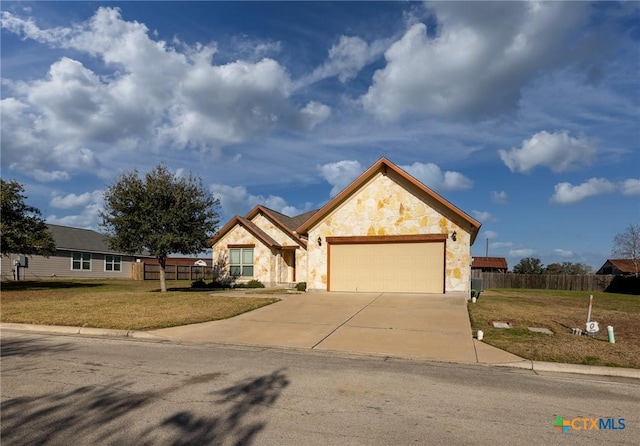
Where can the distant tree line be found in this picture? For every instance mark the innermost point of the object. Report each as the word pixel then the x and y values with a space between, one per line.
pixel 626 245
pixel 530 265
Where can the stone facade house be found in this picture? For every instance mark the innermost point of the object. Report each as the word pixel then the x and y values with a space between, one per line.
pixel 385 232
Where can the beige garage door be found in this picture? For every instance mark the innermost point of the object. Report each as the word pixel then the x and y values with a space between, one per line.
pixel 387 267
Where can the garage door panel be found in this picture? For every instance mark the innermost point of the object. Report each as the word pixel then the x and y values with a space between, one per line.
pixel 387 267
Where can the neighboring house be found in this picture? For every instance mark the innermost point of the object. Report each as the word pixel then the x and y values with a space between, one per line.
pixel 386 232
pixel 619 267
pixel 80 253
pixel 489 264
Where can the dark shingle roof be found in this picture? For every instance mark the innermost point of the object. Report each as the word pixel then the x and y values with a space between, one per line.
pixel 291 222
pixel 84 240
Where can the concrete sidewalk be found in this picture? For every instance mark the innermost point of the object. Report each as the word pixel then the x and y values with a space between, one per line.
pixel 416 326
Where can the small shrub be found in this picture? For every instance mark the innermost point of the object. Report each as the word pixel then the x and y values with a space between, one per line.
pixel 199 284
pixel 255 284
pixel 301 286
pixel 250 284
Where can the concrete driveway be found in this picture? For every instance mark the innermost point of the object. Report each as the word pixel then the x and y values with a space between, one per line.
pixel 420 326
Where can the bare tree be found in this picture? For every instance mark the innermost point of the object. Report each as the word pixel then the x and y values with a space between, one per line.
pixel 626 245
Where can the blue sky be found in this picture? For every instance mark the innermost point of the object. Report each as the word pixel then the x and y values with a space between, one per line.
pixel 523 114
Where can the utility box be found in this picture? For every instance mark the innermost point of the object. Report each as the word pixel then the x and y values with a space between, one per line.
pixel 477 283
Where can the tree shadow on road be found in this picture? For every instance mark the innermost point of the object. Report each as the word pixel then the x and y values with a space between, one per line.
pixel 26 347
pixel 117 415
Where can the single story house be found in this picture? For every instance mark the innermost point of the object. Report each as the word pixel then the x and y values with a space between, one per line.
pixel 80 254
pixel 489 264
pixel 385 232
pixel 619 267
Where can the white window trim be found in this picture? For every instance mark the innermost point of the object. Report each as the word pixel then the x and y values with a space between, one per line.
pixel 82 261
pixel 113 262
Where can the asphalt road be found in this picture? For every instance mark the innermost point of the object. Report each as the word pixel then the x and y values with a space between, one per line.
pixel 63 390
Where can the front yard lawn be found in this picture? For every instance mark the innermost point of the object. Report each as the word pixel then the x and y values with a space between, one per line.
pixel 124 305
pixel 560 311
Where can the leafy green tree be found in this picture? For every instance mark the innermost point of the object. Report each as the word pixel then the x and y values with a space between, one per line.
pixel 22 229
pixel 626 245
pixel 529 265
pixel 567 268
pixel 160 213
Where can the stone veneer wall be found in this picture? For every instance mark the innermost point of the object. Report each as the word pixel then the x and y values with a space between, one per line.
pixel 284 239
pixel 264 260
pixel 384 207
pixel 274 232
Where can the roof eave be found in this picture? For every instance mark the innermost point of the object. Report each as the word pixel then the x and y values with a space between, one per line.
pixel 259 209
pixel 381 166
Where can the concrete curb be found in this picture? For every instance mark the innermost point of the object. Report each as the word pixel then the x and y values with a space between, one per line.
pixel 87 331
pixel 557 367
pixel 536 366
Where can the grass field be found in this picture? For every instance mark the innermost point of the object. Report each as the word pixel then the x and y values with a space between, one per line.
pixel 560 311
pixel 125 305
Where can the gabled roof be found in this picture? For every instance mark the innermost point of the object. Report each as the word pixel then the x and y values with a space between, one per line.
pixel 284 222
pixel 82 240
pixel 384 165
pixel 250 227
pixel 489 262
pixel 622 265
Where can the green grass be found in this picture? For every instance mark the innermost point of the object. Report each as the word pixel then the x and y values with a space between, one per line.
pixel 126 305
pixel 560 311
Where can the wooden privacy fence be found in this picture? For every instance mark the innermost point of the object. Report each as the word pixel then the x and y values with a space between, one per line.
pixel 143 271
pixel 588 282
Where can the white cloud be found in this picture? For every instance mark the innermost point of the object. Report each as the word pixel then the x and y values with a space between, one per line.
pixel 563 253
pixel 490 235
pixel 71 201
pixel 149 93
pixel 313 114
pixel 233 199
pixel 89 218
pixel 236 200
pixel 346 59
pixel 340 174
pixel 522 252
pixel 46 176
pixel 630 187
pixel 477 61
pixel 500 245
pixel 558 151
pixel 499 197
pixel 482 216
pixel 566 193
pixel 432 176
pixel 90 203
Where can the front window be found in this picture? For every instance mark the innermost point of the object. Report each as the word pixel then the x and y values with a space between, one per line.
pixel 112 263
pixel 81 261
pixel 241 262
